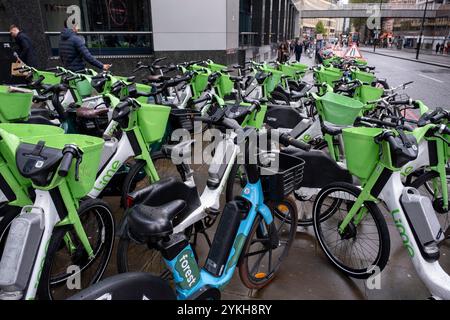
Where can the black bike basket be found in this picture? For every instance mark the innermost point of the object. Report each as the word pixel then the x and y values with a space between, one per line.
pixel 279 182
pixel 183 118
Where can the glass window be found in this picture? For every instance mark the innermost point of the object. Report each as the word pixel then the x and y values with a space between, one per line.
pixel 108 26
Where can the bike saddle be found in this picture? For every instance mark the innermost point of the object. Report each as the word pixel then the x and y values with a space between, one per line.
pixel 128 286
pixel 147 222
pixel 173 198
pixel 156 78
pixel 90 113
pixel 37 162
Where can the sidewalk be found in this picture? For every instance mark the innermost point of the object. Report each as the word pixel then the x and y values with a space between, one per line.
pixel 424 57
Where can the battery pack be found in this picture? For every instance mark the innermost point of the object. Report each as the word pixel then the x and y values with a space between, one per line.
pixel 20 251
pixel 422 216
pixel 232 215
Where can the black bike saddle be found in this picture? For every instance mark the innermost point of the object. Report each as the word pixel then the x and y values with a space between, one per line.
pixel 161 206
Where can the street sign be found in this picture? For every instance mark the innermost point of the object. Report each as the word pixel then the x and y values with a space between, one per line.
pixel 353 52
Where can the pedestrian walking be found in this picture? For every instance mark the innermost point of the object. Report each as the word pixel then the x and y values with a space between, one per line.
pixel 298 49
pixel 25 50
pixel 441 49
pixel 438 47
pixel 73 51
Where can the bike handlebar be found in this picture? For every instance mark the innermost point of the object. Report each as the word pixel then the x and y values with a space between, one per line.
pixel 204 99
pixel 69 153
pixel 383 123
pixel 288 140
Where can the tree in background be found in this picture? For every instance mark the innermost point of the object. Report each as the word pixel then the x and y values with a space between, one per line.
pixel 320 28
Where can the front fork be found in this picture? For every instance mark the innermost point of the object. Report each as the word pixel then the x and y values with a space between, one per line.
pixel 73 219
pixel 145 155
pixel 358 211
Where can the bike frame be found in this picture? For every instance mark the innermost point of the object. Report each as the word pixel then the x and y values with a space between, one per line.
pixel 210 198
pixel 186 289
pixel 124 151
pixel 431 273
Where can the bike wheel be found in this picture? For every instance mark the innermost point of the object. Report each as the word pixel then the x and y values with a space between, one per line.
pixel 361 247
pixel 266 248
pixel 137 179
pixel 424 183
pixel 98 222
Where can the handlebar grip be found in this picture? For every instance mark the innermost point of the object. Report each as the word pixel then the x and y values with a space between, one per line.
pixel 124 104
pixel 376 121
pixel 446 130
pixel 438 117
pixel 66 162
pixel 426 117
pixel 71 78
pixel 38 81
pixel 200 100
pixel 288 140
pixel 400 103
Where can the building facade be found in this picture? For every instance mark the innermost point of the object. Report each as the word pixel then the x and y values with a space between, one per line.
pixel 333 27
pixel 123 32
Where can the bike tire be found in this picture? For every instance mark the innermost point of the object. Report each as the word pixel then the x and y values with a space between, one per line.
pixel 383 250
pixel 261 279
pixel 104 214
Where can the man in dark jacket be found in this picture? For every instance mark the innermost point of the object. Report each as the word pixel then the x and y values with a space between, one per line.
pixel 298 50
pixel 25 48
pixel 73 51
